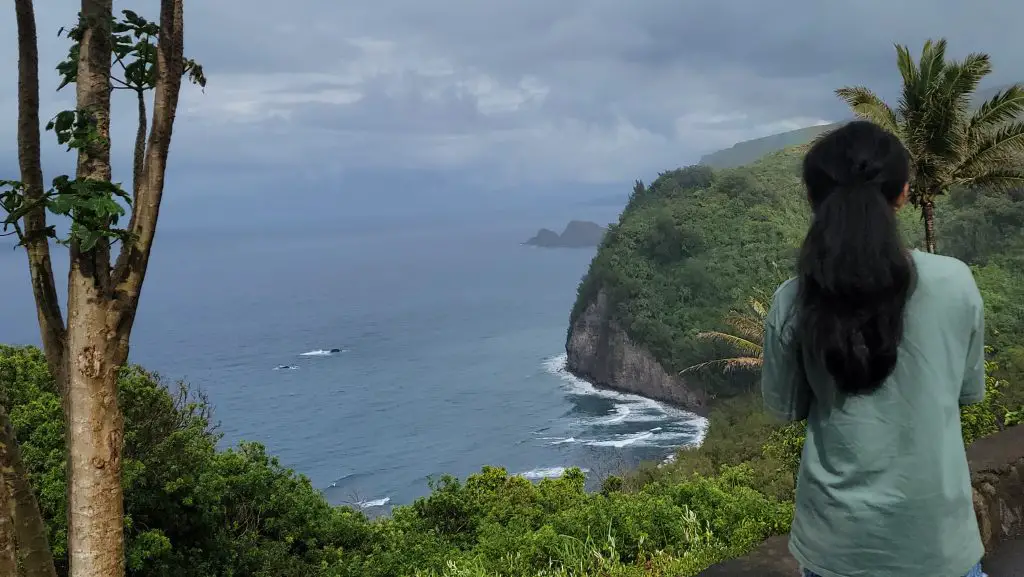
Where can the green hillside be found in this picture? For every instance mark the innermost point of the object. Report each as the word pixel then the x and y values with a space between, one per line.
pixel 698 241
pixel 749 151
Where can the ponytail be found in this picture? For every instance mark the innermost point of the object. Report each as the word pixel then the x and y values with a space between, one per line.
pixel 855 273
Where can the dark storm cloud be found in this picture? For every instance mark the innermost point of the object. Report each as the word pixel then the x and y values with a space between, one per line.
pixel 586 90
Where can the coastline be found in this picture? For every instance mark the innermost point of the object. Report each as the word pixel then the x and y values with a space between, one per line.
pixel 599 351
pixel 698 416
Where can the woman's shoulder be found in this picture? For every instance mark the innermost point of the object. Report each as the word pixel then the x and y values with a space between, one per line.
pixel 945 276
pixel 783 300
pixel 936 268
pixel 786 290
pixel 931 263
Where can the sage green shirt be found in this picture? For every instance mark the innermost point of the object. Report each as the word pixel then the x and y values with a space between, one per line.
pixel 884 488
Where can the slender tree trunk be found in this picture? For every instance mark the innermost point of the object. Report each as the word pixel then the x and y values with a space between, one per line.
pixel 928 212
pixel 44 290
pixel 95 424
pixel 95 429
pixel 8 556
pixel 86 355
pixel 29 528
pixel 139 157
pixel 133 262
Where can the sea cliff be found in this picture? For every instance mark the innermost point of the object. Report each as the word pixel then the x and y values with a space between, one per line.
pixel 690 250
pixel 687 249
pixel 599 351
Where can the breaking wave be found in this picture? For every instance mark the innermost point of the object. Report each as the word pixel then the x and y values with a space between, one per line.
pixel 623 425
pixel 374 503
pixel 322 352
pixel 547 473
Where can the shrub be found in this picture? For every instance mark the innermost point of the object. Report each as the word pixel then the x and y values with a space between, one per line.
pixel 194 510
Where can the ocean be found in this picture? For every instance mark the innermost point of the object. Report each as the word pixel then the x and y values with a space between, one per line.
pixel 448 350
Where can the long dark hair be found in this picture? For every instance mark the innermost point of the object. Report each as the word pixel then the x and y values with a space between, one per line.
pixel 855 273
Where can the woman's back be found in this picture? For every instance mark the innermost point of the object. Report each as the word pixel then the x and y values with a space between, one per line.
pixel 884 488
pixel 877 347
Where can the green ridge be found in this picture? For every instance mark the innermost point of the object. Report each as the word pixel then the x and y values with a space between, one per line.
pixel 698 241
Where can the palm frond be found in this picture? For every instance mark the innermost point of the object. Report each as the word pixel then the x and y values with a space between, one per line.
pixel 993 151
pixel 727 365
pixel 913 103
pixel 741 344
pixel 749 324
pixel 747 327
pixel 961 79
pixel 759 305
pixel 869 106
pixel 1006 179
pixel 744 363
pixel 949 103
pixel 1005 106
pixel 940 135
pixel 933 62
pixel 906 65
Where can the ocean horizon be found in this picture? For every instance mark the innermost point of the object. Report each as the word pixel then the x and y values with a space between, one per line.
pixel 374 360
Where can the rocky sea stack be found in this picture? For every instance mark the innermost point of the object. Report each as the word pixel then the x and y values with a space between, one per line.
pixel 577 234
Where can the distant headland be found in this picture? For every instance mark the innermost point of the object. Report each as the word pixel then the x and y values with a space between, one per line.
pixel 577 234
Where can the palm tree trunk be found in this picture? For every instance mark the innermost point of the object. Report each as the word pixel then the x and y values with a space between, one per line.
pixel 928 212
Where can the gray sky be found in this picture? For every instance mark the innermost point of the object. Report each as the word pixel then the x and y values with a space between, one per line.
pixel 518 91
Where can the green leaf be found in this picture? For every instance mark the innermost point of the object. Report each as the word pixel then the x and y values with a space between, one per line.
pixel 133 49
pixel 87 239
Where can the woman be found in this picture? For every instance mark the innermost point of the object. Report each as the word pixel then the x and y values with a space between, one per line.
pixel 877 346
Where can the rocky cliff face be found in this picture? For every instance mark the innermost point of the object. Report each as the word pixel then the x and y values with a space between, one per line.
pixel 602 353
pixel 577 234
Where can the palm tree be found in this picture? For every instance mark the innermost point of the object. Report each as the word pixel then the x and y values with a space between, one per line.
pixel 950 145
pixel 746 338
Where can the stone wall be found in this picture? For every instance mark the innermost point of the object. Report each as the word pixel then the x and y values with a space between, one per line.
pixel 997 472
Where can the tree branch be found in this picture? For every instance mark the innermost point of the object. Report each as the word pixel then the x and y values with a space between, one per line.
pixel 37 244
pixel 92 93
pixel 139 157
pixel 133 261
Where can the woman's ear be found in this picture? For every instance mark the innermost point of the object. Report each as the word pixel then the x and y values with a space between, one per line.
pixel 901 200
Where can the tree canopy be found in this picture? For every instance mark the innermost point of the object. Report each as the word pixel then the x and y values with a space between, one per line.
pixel 950 145
pixel 698 243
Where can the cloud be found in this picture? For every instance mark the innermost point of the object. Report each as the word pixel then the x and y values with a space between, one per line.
pixel 523 92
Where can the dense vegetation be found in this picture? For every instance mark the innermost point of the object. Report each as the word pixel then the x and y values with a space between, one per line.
pixel 687 248
pixel 193 510
pixel 697 243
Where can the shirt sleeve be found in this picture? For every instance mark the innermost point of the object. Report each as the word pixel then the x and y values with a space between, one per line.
pixel 973 388
pixel 787 395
